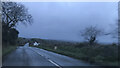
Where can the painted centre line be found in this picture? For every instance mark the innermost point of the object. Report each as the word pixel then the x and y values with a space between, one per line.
pixel 47 59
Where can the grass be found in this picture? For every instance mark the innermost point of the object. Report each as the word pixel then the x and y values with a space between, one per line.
pixel 8 49
pixel 101 54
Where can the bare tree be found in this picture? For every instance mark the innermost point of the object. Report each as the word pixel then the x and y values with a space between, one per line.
pixel 0 13
pixel 119 23
pixel 13 13
pixel 91 33
pixel 115 31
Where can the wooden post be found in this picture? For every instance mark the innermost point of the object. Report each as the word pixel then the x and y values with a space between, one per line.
pixel 55 47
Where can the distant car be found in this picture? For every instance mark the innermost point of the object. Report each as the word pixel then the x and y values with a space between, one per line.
pixel 36 44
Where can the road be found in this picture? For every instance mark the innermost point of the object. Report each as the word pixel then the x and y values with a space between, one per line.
pixel 32 56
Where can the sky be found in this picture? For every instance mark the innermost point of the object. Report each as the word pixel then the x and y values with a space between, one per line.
pixel 65 20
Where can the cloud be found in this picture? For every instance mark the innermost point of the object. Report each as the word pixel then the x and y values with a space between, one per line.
pixel 64 20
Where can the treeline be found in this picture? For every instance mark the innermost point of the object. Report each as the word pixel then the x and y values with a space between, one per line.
pixel 31 41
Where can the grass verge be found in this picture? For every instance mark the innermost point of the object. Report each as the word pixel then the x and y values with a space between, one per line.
pixel 8 49
pixel 101 55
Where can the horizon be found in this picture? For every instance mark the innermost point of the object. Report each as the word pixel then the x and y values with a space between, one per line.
pixel 70 41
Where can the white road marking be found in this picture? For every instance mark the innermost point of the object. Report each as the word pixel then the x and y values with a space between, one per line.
pixel 54 63
pixel 47 59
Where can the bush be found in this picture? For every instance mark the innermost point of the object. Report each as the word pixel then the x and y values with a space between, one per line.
pixel 80 45
pixel 99 58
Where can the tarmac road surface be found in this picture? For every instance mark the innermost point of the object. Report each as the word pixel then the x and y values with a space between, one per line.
pixel 32 56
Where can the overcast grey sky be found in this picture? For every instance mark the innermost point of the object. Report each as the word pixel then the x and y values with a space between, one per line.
pixel 64 20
